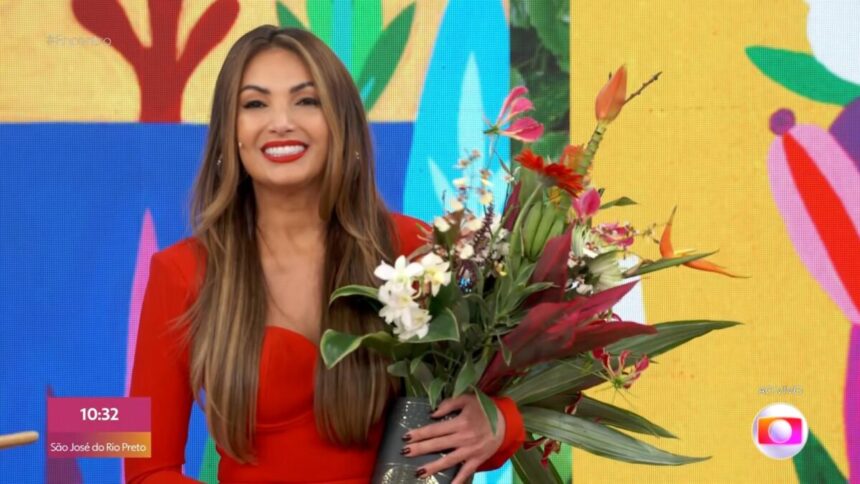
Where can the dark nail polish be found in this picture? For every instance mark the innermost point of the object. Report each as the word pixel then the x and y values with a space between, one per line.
pixel 421 472
pixel 407 437
pixel 405 451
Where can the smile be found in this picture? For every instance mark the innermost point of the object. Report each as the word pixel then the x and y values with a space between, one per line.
pixel 284 154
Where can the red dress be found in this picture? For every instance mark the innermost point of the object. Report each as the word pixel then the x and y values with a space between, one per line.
pixel 287 444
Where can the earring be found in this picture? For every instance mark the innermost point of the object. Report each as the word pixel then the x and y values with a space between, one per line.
pixel 218 162
pixel 240 145
pixel 357 156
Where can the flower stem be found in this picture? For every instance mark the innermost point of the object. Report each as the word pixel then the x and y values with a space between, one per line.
pixel 591 149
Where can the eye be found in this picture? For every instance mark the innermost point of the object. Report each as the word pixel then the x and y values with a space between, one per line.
pixel 309 101
pixel 252 104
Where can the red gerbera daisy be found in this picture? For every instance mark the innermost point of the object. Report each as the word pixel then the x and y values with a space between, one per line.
pixel 556 173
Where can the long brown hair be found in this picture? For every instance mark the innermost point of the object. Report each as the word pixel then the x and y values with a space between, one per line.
pixel 228 318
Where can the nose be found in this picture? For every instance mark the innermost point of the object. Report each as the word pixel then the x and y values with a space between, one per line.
pixel 281 121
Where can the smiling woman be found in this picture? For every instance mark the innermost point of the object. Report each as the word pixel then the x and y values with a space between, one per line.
pixel 281 124
pixel 285 210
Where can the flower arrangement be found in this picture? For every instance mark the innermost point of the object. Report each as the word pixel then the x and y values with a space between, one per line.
pixel 520 303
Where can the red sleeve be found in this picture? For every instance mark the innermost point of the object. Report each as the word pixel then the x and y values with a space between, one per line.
pixel 515 434
pixel 409 233
pixel 161 373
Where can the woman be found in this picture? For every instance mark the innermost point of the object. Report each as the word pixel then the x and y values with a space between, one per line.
pixel 285 210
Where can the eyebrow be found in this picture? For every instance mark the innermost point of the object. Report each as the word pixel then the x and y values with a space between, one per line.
pixel 296 88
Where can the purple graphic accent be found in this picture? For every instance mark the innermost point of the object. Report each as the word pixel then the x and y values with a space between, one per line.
pixel 851 403
pixel 843 176
pixel 781 121
pixel 800 227
pixel 148 245
pixel 846 130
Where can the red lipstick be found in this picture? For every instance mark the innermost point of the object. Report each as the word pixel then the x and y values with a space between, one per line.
pixel 286 151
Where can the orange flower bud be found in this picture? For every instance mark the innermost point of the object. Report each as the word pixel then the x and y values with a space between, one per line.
pixel 612 96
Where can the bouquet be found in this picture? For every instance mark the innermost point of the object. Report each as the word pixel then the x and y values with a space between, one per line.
pixel 520 303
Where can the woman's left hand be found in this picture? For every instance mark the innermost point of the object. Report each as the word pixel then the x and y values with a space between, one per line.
pixel 468 437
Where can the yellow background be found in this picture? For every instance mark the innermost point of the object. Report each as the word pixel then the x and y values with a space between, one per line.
pixel 95 83
pixel 699 138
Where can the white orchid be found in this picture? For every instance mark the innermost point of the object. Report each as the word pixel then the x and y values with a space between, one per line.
pixel 436 272
pixel 401 273
pixel 396 300
pixel 414 322
pixel 606 268
pixel 441 224
pixel 465 251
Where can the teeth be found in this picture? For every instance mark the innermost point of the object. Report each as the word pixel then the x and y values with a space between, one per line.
pixel 284 150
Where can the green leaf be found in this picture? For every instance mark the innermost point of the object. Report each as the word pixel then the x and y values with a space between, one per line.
pixel 550 93
pixel 528 467
pixel 447 297
pixel 209 466
pixel 591 409
pixel 489 408
pixel 519 15
pixel 665 263
pixel 435 391
pixel 442 328
pixel 552 379
pixel 581 372
pixel 551 19
pixel 620 202
pixel 320 18
pixel 421 373
pixel 802 74
pixel 598 439
pixel 355 290
pixel 366 27
pixel 465 379
pixel 551 144
pixel 286 18
pixel 386 55
pixel 399 369
pixel 516 78
pixel 506 352
pixel 669 335
pixel 336 346
pixel 814 465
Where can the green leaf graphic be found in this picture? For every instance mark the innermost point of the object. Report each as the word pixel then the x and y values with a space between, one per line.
pixel 366 28
pixel 800 73
pixel 286 18
pixel 814 465
pixel 320 18
pixel 386 55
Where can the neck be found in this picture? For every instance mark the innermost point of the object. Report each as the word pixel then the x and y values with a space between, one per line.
pixel 289 224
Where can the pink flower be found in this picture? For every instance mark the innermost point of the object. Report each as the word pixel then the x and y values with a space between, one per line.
pixel 516 103
pixel 619 376
pixel 526 130
pixel 616 234
pixel 587 204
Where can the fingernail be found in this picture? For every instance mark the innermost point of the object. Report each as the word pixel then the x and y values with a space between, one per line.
pixel 405 451
pixel 421 472
pixel 407 437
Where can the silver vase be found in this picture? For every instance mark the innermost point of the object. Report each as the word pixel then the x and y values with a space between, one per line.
pixel 407 413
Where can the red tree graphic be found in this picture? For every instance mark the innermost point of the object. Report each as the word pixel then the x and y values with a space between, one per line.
pixel 161 70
